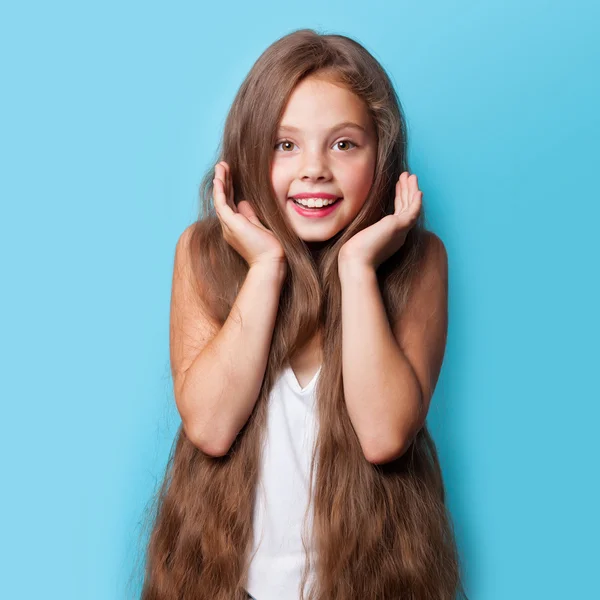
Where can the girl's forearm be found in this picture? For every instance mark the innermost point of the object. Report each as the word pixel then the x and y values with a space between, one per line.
pixel 382 392
pixel 222 384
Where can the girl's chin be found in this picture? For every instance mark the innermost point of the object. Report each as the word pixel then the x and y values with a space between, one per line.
pixel 319 235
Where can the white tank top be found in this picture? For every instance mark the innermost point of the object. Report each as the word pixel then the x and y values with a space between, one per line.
pixel 282 491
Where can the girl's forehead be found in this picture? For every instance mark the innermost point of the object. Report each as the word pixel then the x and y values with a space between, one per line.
pixel 320 87
pixel 315 106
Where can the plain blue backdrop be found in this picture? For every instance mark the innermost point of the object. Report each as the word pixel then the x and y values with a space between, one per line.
pixel 110 114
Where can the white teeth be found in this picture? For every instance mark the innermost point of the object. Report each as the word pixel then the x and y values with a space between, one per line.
pixel 314 202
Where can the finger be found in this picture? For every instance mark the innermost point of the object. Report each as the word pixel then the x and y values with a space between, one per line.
pixel 223 209
pixel 230 194
pixel 229 189
pixel 246 209
pixel 414 208
pixel 225 179
pixel 398 198
pixel 413 188
pixel 418 202
pixel 224 166
pixel 399 203
pixel 405 190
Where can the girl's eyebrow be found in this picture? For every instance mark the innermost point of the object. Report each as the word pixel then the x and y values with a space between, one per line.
pixel 334 128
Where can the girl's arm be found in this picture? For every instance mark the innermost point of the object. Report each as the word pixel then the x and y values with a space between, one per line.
pixel 389 373
pixel 218 373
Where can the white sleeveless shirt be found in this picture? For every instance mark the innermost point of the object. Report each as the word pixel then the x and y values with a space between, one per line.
pixel 278 556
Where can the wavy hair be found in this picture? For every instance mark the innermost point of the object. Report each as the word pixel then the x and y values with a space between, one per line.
pixel 379 530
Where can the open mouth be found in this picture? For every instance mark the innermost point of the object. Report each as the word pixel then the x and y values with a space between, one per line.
pixel 325 204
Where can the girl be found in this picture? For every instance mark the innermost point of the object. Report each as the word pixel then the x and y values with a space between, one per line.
pixel 308 327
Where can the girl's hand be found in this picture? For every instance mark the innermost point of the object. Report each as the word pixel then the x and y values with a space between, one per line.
pixel 376 243
pixel 241 228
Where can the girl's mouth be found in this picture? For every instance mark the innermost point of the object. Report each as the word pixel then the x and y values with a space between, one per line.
pixel 307 211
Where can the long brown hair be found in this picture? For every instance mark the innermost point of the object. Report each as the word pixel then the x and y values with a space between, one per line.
pixel 380 530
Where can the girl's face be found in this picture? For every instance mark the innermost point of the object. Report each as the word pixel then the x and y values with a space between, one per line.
pixel 326 144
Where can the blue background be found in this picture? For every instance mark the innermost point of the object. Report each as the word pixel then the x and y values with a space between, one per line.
pixel 111 112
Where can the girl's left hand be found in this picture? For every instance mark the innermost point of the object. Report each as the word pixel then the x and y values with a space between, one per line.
pixel 376 243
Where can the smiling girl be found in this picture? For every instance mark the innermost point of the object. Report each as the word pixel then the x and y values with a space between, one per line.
pixel 308 329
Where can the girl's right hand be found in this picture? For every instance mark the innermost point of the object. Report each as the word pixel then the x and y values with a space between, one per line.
pixel 241 228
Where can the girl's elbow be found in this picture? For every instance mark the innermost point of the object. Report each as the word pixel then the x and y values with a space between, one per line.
pixel 208 443
pixel 381 454
pixel 380 457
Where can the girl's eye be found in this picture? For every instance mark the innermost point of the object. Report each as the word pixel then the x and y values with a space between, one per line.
pixel 292 143
pixel 283 142
pixel 346 142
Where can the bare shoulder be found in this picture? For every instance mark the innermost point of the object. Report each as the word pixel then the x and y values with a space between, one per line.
pixel 436 256
pixel 434 247
pixel 429 287
pixel 191 325
pixel 421 329
pixel 432 271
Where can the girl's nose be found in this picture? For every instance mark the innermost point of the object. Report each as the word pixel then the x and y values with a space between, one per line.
pixel 315 166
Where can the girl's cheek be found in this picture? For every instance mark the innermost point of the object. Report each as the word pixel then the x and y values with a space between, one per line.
pixel 360 176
